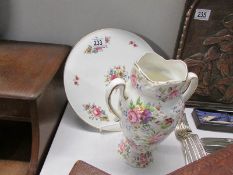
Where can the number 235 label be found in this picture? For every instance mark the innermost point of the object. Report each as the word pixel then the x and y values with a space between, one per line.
pixel 202 14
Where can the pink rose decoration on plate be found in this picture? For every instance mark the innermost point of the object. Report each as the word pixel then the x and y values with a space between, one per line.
pixel 95 112
pixel 116 72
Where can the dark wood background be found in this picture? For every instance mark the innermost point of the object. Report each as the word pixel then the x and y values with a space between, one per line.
pixel 207 48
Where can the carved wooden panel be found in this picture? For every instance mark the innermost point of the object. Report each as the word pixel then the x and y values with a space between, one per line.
pixel 206 45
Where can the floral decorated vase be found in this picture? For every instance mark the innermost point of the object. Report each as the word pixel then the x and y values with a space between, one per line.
pixel 150 104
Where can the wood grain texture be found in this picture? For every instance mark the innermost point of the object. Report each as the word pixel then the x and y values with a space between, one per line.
pixel 218 163
pixel 31 90
pixel 207 48
pixel 83 168
pixel 26 68
pixel 10 167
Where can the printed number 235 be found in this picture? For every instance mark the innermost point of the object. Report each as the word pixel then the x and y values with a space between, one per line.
pixel 201 14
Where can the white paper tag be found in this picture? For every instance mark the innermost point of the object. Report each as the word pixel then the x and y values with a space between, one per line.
pixel 202 14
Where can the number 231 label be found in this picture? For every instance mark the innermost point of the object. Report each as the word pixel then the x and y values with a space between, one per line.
pixel 202 14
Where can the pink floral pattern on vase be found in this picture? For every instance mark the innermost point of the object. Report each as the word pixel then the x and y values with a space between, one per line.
pixel 150 104
pixel 173 92
pixel 156 138
pixel 130 154
pixel 135 78
pixel 116 72
pixel 167 123
pixel 124 148
pixel 97 45
pixel 95 112
pixel 168 93
pixel 144 159
pixel 141 117
pixel 163 93
pixel 139 112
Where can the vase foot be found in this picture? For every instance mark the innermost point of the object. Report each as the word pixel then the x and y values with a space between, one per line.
pixel 134 157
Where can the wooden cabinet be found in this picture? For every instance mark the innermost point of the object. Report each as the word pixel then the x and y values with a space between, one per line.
pixel 32 91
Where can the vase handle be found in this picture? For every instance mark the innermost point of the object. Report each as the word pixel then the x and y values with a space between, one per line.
pixel 192 80
pixel 117 83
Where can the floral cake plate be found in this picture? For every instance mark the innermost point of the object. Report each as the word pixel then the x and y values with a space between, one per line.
pixel 94 61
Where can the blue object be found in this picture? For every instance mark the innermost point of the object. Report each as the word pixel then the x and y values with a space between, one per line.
pixel 219 116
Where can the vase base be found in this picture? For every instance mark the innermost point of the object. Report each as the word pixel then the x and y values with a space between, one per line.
pixel 134 157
